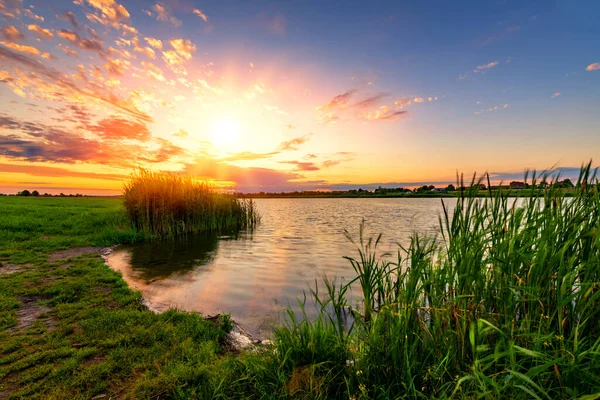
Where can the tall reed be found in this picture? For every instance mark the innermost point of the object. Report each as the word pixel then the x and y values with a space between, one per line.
pixel 504 303
pixel 169 205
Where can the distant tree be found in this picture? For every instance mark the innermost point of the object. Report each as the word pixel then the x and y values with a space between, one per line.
pixel 24 193
pixel 567 184
pixel 62 195
pixel 35 193
pixel 450 188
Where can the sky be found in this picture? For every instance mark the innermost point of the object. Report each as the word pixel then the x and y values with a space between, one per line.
pixel 294 95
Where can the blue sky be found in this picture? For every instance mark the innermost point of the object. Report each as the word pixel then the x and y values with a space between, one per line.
pixel 276 95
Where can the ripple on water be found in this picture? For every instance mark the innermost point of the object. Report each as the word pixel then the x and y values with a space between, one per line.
pixel 253 275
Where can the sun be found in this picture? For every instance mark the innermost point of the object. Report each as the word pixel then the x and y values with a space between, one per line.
pixel 225 132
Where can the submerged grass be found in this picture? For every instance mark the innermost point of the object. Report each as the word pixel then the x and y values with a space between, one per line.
pixel 168 205
pixel 505 303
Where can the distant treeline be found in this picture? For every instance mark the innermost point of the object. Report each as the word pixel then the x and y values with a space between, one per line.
pixel 422 191
pixel 35 193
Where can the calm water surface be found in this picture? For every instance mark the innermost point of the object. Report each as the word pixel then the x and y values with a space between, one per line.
pixel 256 274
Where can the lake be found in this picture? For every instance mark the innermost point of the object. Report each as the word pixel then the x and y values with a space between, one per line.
pixel 254 275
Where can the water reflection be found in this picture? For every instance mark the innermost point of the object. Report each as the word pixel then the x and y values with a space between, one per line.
pixel 155 261
pixel 254 275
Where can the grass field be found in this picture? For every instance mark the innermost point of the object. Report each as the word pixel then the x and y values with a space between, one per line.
pixel 505 304
pixel 69 325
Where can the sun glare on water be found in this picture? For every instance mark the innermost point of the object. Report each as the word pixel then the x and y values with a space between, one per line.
pixel 225 134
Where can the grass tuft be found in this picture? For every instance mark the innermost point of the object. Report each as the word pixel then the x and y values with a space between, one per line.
pixel 167 205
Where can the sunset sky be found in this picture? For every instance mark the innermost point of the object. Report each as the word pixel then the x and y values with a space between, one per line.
pixel 298 95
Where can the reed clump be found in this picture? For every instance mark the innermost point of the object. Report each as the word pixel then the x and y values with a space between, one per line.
pixel 503 303
pixel 168 205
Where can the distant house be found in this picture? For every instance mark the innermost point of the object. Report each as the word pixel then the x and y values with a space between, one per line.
pixel 517 185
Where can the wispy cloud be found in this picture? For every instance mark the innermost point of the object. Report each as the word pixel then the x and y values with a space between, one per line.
pixel 201 14
pixel 302 165
pixel 492 109
pixel 293 143
pixel 371 101
pixel 163 14
pixel 70 17
pixel 484 67
pixel 288 145
pixel 339 101
pixel 45 78
pixel 555 95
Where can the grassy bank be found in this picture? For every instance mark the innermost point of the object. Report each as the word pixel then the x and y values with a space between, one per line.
pixel 70 327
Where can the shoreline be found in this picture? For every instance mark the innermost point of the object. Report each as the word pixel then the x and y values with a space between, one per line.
pixel 238 337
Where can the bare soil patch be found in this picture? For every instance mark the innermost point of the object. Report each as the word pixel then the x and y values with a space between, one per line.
pixel 6 269
pixel 61 255
pixel 30 312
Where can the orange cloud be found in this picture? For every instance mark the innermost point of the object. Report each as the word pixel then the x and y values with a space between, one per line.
pixel 43 33
pixel 85 44
pixel 44 143
pixel 22 48
pixel 384 113
pixel 110 9
pixel 117 67
pixel 174 62
pixel 148 51
pixel 109 13
pixel 153 71
pixel 370 101
pixel 51 83
pixel 30 14
pixel 67 50
pixel 403 102
pixel 593 67
pixel 201 14
pixel 156 43
pixel 338 101
pixel 293 144
pixel 119 128
pixel 184 48
pixel 418 100
pixel 302 165
pixel 11 34
pixel 68 35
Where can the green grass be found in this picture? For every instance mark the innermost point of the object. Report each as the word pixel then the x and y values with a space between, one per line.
pixel 93 337
pixel 166 205
pixel 503 303
pixel 31 225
